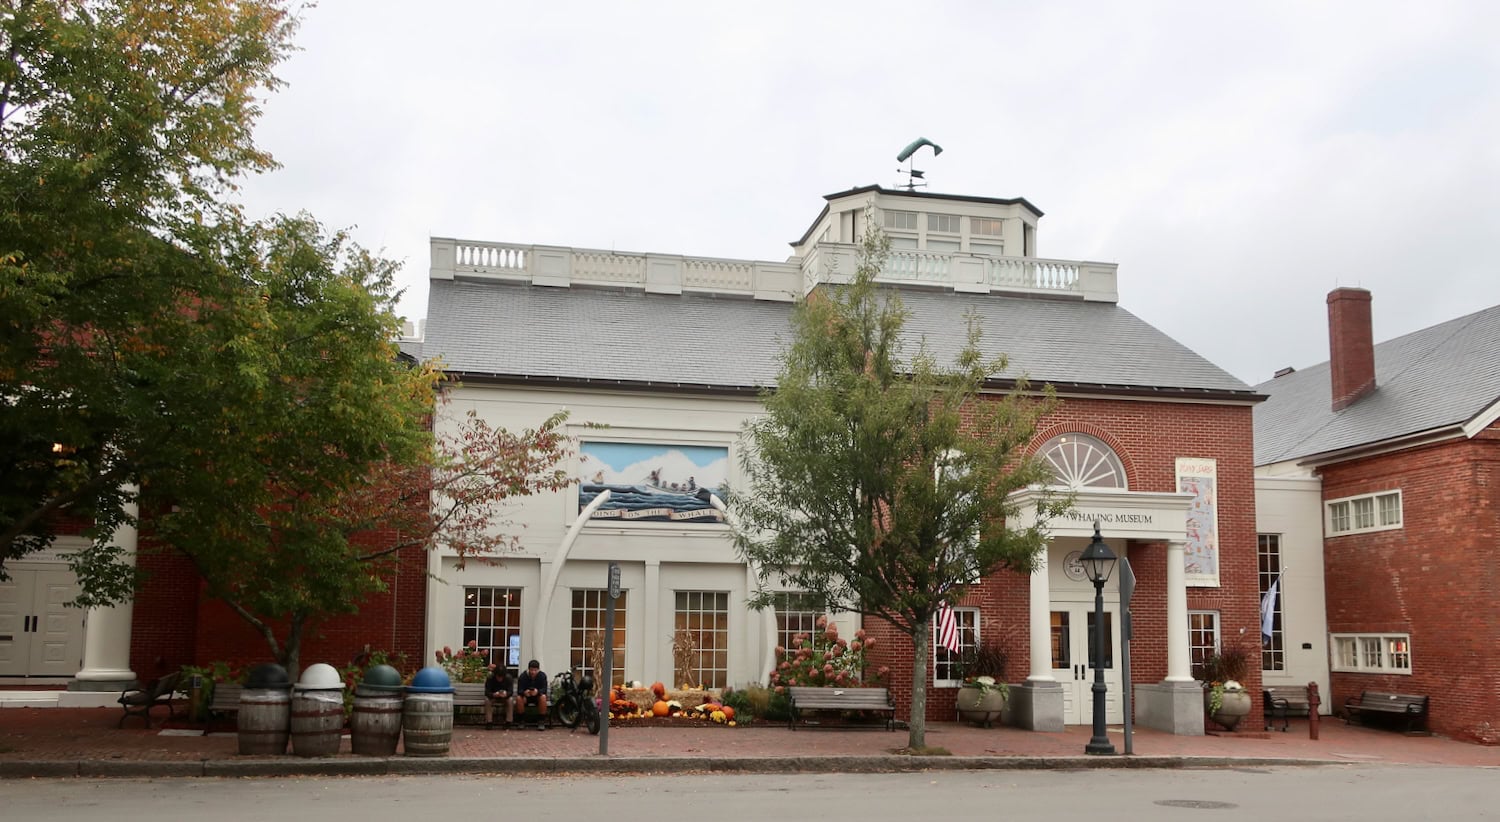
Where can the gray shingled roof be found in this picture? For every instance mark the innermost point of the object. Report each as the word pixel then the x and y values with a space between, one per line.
pixel 1438 377
pixel 629 336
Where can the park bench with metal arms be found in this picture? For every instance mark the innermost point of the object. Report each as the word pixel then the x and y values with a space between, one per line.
pixel 225 701
pixel 871 700
pixel 140 701
pixel 1282 701
pixel 1407 710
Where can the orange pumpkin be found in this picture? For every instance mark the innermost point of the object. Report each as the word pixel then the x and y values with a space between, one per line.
pixel 709 707
pixel 613 696
pixel 728 711
pixel 661 708
pixel 659 689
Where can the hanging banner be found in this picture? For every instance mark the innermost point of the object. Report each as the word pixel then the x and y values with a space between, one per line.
pixel 1199 476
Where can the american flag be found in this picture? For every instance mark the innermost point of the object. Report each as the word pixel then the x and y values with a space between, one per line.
pixel 947 628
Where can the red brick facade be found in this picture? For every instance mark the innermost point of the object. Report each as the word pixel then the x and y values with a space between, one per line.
pixel 1148 437
pixel 1435 578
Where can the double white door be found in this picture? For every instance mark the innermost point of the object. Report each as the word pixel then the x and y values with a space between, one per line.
pixel 39 634
pixel 1074 661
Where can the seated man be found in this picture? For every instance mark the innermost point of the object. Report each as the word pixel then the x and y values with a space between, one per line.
pixel 497 689
pixel 531 689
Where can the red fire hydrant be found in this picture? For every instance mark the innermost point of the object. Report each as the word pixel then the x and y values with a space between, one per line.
pixel 1312 710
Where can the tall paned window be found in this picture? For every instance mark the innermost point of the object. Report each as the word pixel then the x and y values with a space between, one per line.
pixel 703 617
pixel 1272 643
pixel 492 620
pixel 589 606
pixel 797 612
pixel 1203 636
pixel 947 667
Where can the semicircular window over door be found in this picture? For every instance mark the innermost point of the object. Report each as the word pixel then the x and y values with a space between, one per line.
pixel 1080 461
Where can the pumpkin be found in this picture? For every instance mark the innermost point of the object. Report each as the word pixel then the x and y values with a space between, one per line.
pixel 659 689
pixel 728 712
pixel 709 707
pixel 661 708
pixel 614 696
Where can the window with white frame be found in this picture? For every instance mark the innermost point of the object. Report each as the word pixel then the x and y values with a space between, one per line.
pixel 1370 512
pixel 943 223
pixel 1272 647
pixel 1203 636
pixel 492 620
pixel 901 220
pixel 1372 653
pixel 704 617
pixel 797 613
pixel 589 606
pixel 986 227
pixel 947 666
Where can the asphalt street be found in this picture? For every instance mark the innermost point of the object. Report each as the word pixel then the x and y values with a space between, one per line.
pixel 1341 792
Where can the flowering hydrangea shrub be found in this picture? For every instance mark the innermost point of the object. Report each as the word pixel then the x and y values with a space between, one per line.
pixel 824 659
pixel 468 665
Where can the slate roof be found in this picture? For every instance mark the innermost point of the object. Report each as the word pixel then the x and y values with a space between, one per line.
pixel 627 337
pixel 1435 378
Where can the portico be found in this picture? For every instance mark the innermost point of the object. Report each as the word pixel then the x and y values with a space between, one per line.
pixel 1047 701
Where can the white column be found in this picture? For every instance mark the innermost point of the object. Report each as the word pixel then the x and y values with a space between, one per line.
pixel 1041 623
pixel 106 633
pixel 652 612
pixel 1179 666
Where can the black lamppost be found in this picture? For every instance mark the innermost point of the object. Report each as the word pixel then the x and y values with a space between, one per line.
pixel 1099 562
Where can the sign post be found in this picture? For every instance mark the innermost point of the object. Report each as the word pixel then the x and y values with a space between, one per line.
pixel 601 689
pixel 1127 588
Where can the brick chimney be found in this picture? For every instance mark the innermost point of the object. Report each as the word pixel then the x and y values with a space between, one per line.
pixel 1351 346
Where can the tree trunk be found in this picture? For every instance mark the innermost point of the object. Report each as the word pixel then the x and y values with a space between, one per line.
pixel 917 722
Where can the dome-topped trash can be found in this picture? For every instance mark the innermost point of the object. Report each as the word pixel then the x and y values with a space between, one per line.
pixel 317 711
pixel 427 714
pixel 264 718
pixel 375 726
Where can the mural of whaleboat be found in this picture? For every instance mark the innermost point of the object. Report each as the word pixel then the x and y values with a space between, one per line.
pixel 652 482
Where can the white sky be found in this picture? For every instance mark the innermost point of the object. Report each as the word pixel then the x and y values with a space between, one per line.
pixel 1238 161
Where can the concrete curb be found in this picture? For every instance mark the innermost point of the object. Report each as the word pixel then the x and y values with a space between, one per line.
pixel 413 766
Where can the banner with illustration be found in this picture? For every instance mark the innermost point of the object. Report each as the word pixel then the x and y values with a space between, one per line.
pixel 653 482
pixel 1199 476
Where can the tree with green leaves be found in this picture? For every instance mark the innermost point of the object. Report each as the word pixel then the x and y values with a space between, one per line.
pixel 883 482
pixel 122 125
pixel 313 466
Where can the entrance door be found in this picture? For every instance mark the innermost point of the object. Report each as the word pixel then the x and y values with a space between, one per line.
pixel 39 634
pixel 1073 662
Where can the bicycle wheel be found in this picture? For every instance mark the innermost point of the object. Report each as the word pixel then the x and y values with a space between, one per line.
pixel 568 711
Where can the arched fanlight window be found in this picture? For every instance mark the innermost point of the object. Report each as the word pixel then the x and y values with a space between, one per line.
pixel 1080 461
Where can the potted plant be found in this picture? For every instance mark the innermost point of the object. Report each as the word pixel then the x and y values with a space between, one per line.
pixel 982 696
pixel 1224 696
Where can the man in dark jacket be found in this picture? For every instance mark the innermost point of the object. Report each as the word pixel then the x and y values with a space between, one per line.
pixel 497 690
pixel 531 689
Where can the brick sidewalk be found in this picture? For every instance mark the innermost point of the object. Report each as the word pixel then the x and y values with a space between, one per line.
pixel 89 735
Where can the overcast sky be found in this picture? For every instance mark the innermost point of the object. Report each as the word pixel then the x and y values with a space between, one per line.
pixel 1238 161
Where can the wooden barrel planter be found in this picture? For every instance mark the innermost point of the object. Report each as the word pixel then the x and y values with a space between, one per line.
pixel 317 722
pixel 264 721
pixel 427 724
pixel 375 727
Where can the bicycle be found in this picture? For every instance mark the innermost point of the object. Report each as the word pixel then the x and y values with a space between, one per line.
pixel 575 703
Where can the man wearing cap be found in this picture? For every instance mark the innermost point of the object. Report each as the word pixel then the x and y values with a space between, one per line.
pixel 531 689
pixel 497 689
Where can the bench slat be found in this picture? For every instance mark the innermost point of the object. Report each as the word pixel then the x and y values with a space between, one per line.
pixel 1411 706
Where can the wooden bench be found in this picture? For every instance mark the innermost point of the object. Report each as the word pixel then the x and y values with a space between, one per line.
pixel 225 701
pixel 140 701
pixel 1282 701
pixel 468 695
pixel 1408 710
pixel 875 700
